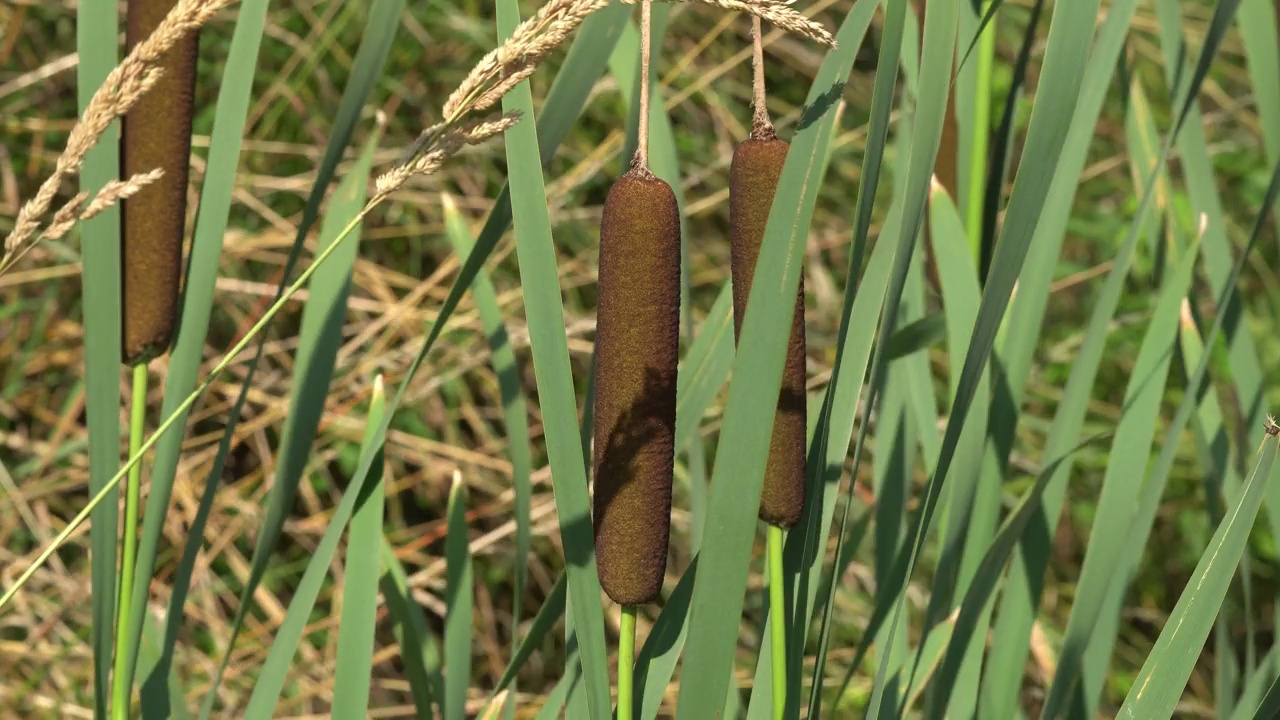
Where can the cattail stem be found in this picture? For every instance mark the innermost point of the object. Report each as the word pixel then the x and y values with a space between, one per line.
pixel 626 659
pixel 641 161
pixel 777 623
pixel 120 693
pixel 761 125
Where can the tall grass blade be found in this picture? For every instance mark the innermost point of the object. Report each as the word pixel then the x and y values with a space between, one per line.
pixel 704 369
pixel 275 669
pixel 211 222
pixel 515 409
pixel 1258 687
pixel 459 584
pixel 96 27
pixel 306 402
pixel 1021 598
pixel 997 169
pixel 419 648
pixel 735 489
pixel 938 47
pixel 1160 683
pixel 319 339
pixel 973 497
pixel 535 250
pixel 1143 519
pixel 548 615
pixel 149 653
pixel 352 674
pixel 1243 354
pixel 1130 451
pixel 860 315
pixel 1256 21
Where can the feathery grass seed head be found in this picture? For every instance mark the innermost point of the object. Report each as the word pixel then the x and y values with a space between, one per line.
pixel 637 348
pixel 753 178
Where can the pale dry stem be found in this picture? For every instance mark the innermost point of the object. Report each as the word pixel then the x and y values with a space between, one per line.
pixel 120 91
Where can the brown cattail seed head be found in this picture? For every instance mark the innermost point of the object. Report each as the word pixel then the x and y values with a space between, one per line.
pixel 753 178
pixel 637 348
pixel 156 134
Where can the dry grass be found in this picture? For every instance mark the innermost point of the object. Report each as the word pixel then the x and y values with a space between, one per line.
pixel 402 275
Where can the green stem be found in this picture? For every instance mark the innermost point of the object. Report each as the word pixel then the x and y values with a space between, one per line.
pixel 981 136
pixel 626 660
pixel 777 623
pixel 120 694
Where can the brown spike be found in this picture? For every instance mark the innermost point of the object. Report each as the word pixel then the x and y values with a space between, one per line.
pixel 753 178
pixel 637 348
pixel 156 134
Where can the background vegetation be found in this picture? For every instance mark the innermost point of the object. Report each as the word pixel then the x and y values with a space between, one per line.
pixel 460 415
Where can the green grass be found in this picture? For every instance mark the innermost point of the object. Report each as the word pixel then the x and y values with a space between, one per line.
pixel 1039 482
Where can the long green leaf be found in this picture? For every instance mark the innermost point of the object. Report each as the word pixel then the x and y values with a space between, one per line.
pixel 275 669
pixel 535 250
pixel 973 498
pixel 96 27
pixel 202 271
pixel 548 615
pixel 515 410
pixel 318 341
pixel 1257 24
pixel 1243 354
pixel 939 38
pixel 1144 517
pixel 352 675
pixel 1130 452
pixel 458 618
pixel 1164 674
pixel 735 489
pixel 806 549
pixel 307 400
pixel 1022 595
pixel 419 648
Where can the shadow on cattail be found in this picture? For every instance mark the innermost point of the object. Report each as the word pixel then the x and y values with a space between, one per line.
pixel 753 178
pixel 156 133
pixel 637 350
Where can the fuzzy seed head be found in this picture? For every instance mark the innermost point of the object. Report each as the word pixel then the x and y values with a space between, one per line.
pixel 637 348
pixel 156 134
pixel 753 178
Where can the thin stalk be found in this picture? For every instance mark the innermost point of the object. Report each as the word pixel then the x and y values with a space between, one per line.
pixel 120 693
pixel 223 364
pixel 777 623
pixel 626 656
pixel 986 51
pixel 761 125
pixel 641 161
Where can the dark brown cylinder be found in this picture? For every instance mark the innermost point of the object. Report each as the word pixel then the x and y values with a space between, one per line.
pixel 156 134
pixel 637 349
pixel 753 178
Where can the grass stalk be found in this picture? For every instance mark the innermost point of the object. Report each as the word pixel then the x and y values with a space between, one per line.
pixel 981 137
pixel 171 420
pixel 642 134
pixel 777 622
pixel 120 699
pixel 626 656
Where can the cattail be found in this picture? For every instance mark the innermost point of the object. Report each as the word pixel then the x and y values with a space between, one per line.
pixel 156 134
pixel 753 178
pixel 637 347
